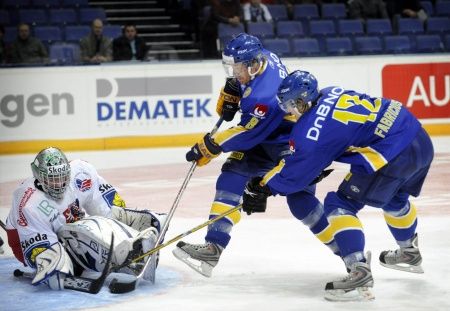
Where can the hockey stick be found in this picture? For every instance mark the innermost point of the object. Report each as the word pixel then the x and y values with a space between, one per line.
pixel 78 283
pixel 119 287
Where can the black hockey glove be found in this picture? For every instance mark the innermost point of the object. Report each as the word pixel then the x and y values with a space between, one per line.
pixel 203 151
pixel 228 102
pixel 255 196
pixel 321 176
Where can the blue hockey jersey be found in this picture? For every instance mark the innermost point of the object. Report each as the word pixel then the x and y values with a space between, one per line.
pixel 262 121
pixel 344 126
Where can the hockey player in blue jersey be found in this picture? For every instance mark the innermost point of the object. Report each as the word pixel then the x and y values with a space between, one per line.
pixel 389 154
pixel 258 142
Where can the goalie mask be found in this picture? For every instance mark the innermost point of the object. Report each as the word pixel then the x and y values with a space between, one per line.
pixel 243 57
pixel 52 170
pixel 298 92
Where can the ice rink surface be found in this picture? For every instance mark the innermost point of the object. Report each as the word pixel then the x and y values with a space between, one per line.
pixel 273 261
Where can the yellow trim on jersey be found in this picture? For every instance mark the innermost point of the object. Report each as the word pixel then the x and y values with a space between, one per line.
pixel 290 117
pixel 218 208
pixel 402 222
pixel 273 172
pixel 373 157
pixel 222 137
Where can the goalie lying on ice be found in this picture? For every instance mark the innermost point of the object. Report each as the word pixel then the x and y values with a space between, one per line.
pixel 62 219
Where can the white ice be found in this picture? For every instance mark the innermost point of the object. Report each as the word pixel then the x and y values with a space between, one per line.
pixel 272 263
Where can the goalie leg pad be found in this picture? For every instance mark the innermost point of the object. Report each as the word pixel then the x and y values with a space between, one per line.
pixel 53 264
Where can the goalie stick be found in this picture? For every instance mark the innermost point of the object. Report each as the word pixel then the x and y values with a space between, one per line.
pixel 122 287
pixel 78 283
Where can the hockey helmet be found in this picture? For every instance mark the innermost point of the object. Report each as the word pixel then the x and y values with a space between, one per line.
pixel 245 50
pixel 52 170
pixel 298 92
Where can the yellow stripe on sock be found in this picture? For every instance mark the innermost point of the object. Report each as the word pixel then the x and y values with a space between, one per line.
pixel 218 208
pixel 338 224
pixel 402 222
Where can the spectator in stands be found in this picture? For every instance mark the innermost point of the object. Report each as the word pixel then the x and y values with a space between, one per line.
pixel 406 8
pixel 2 45
pixel 255 11
pixel 365 9
pixel 222 11
pixel 27 49
pixel 96 48
pixel 129 46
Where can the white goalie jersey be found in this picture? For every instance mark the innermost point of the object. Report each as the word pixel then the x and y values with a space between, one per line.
pixel 35 218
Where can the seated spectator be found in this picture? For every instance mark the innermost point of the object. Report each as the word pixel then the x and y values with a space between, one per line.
pixel 365 9
pixel 255 11
pixel 96 48
pixel 222 11
pixel 406 8
pixel 27 49
pixel 129 46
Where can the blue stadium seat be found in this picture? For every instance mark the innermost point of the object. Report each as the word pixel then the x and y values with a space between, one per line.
pixel 75 33
pixel 428 7
pixel 334 11
pixel 306 47
pixel 10 34
pixel 261 30
pixel 278 12
pixel 438 25
pixel 33 16
pixel 64 53
pixel 397 44
pixel 429 44
pixel 289 29
pixel 75 3
pixel 63 16
pixel 305 11
pixel 48 34
pixel 368 45
pixel 225 32
pixel 46 3
pixel 350 27
pixel 407 26
pixel 447 42
pixel 442 8
pixel 322 28
pixel 4 17
pixel 87 15
pixel 112 31
pixel 16 3
pixel 378 27
pixel 339 46
pixel 279 46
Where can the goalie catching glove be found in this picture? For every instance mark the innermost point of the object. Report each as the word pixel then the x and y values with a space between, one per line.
pixel 255 196
pixel 204 151
pixel 228 102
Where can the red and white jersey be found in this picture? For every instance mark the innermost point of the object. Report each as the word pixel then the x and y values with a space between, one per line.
pixel 35 217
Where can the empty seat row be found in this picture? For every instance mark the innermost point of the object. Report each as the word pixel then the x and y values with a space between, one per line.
pixel 49 34
pixel 321 28
pixel 357 45
pixel 52 16
pixel 44 3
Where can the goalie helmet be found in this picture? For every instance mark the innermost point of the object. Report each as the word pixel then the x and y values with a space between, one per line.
pixel 298 92
pixel 52 170
pixel 243 50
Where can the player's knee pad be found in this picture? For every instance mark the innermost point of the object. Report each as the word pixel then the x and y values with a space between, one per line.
pixel 337 203
pixel 88 241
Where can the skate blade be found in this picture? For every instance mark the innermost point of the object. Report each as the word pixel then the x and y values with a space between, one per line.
pixel 405 267
pixel 200 267
pixel 357 294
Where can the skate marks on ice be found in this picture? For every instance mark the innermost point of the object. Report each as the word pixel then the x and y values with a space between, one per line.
pixel 18 294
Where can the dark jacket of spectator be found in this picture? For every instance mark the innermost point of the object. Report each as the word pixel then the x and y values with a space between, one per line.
pixel 92 46
pixel 122 49
pixel 364 9
pixel 28 51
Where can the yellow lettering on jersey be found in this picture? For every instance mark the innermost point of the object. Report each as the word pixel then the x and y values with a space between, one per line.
pixel 388 119
pixel 252 123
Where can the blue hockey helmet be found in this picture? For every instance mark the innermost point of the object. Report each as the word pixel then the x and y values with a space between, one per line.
pixel 243 49
pixel 297 92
